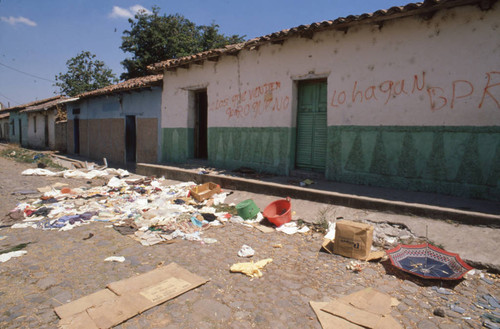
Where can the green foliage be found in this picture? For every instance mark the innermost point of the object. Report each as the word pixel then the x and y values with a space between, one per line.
pixel 153 38
pixel 20 154
pixel 85 73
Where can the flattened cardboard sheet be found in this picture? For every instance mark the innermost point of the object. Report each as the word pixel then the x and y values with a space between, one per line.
pixel 82 304
pixel 370 300
pixel 264 228
pixel 367 308
pixel 116 311
pixel 127 298
pixel 81 320
pixel 330 321
pixel 167 287
pixel 353 314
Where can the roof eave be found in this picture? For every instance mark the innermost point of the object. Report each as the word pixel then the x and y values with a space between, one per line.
pixel 426 9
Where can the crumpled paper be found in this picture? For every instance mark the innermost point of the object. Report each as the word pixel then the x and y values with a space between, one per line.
pixel 7 256
pixel 251 269
pixel 246 251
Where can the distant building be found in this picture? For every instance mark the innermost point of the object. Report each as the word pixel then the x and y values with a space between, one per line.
pixel 120 122
pixel 32 124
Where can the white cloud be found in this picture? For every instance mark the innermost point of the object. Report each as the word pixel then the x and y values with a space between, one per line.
pixel 119 12
pixel 15 20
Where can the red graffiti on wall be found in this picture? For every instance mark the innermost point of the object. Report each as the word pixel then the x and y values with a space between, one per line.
pixel 439 97
pixel 255 102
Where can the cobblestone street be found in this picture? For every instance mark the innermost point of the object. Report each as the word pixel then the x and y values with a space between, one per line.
pixel 60 267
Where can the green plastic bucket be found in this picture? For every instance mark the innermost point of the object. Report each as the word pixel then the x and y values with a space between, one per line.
pixel 247 209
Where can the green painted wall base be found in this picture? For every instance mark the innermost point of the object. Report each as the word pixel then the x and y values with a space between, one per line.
pixel 264 149
pixel 176 145
pixel 460 161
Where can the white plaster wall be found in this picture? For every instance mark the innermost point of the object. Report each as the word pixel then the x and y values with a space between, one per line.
pixel 36 138
pixel 442 71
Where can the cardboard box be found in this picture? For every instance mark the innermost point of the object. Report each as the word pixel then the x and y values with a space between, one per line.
pixel 204 191
pixel 353 239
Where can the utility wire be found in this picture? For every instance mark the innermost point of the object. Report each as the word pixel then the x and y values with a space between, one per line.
pixel 31 75
pixel 10 99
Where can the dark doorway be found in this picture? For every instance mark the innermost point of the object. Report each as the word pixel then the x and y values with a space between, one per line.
pixel 20 132
pixel 200 124
pixel 130 138
pixel 76 135
pixel 46 131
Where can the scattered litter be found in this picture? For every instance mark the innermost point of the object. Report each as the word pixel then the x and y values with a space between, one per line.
pixel 7 256
pixel 330 233
pixel 76 173
pixel 428 262
pixel 306 182
pixel 354 266
pixel 277 245
pixel 353 239
pixel 204 191
pixel 264 228
pixel 116 182
pixel 279 212
pixel 124 299
pixel 247 209
pixel 292 228
pixel 209 240
pixel 23 225
pixel 327 245
pixel 251 269
pixel 119 259
pixel 143 204
pixel 89 236
pixel 471 274
pixel 246 251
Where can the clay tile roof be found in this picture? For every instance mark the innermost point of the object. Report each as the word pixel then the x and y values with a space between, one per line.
pixel 411 9
pixel 34 103
pixel 47 105
pixel 131 84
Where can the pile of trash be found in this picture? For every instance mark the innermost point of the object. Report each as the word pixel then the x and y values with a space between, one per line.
pixel 146 209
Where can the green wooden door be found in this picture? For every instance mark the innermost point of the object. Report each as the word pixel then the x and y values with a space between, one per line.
pixel 311 125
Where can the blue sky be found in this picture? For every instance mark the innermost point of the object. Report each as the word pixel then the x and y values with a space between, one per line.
pixel 38 37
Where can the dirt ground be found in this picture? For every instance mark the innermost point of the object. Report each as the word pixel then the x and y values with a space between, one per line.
pixel 60 267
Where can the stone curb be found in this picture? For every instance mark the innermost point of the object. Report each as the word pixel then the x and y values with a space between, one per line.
pixel 347 200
